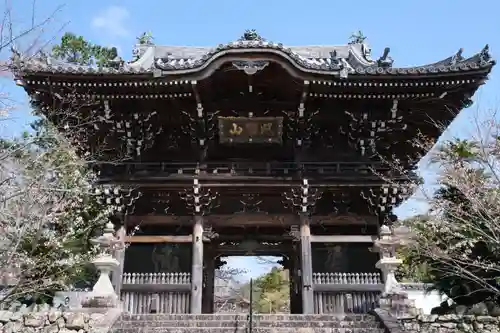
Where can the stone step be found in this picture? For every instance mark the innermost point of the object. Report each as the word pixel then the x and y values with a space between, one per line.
pixel 244 323
pixel 182 323
pixel 244 330
pixel 244 317
pixel 316 324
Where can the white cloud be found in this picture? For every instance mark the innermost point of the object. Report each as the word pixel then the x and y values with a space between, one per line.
pixel 112 21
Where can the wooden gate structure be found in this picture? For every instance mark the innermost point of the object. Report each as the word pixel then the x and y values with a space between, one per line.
pixel 251 146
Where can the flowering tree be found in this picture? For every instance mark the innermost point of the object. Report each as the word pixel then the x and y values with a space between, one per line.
pixel 49 213
pixel 49 207
pixel 458 241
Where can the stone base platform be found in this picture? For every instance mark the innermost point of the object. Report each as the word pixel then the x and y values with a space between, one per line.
pixel 240 323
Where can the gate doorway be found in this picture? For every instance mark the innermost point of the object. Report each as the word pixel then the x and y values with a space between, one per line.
pixel 275 275
pixel 260 282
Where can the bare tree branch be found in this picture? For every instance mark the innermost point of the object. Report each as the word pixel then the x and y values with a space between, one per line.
pixel 459 238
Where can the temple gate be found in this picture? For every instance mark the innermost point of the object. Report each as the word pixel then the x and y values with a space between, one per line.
pixel 251 147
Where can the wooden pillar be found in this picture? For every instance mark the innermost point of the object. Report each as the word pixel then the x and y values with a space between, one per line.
pixel 197 266
pixel 119 254
pixel 296 285
pixel 306 265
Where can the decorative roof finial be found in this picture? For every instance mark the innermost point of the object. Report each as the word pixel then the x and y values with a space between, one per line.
pixel 457 57
pixel 146 38
pixel 334 60
pixel 251 35
pixel 16 56
pixel 357 38
pixel 144 41
pixel 485 55
pixel 385 60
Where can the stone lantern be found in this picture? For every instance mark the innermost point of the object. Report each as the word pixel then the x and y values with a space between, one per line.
pixel 393 297
pixel 103 294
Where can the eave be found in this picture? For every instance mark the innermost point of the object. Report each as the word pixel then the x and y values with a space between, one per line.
pixel 355 64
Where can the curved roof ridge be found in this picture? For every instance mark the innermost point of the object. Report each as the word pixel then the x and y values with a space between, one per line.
pixel 355 58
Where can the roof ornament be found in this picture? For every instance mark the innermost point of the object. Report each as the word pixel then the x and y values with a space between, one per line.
pixel 43 56
pixel 335 62
pixel 484 55
pixel 165 62
pixel 357 38
pixel 250 67
pixel 137 52
pixel 457 57
pixel 146 38
pixel 251 35
pixel 338 64
pixel 16 54
pixel 144 41
pixel 385 61
pixel 116 63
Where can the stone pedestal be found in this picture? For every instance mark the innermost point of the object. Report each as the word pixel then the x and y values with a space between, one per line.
pixel 398 305
pixel 393 299
pixel 388 268
pixel 103 294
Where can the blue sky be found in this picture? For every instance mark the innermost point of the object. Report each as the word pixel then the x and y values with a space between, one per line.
pixel 417 31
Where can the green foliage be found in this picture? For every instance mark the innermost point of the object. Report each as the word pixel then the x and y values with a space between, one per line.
pixel 77 50
pixel 413 269
pixel 272 292
pixel 459 241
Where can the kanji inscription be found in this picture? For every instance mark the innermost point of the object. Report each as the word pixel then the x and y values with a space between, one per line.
pixel 250 129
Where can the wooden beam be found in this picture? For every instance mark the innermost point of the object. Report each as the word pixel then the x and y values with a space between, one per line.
pixel 343 239
pixel 263 250
pixel 222 181
pixel 161 239
pixel 243 220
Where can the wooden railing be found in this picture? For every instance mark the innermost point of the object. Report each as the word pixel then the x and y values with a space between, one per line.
pixel 156 292
pixel 242 168
pixel 170 292
pixel 346 292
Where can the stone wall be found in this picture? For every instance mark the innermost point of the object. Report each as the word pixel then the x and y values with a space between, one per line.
pixel 423 298
pixel 51 320
pixel 450 323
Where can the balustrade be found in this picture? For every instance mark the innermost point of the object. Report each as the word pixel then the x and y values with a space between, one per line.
pixel 156 292
pixel 170 292
pixel 347 278
pixel 346 292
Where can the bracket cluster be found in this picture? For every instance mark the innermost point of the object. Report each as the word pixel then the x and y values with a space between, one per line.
pixel 341 203
pixel 382 202
pixel 302 200
pixel 201 128
pixel 251 203
pixel 367 134
pixel 161 202
pixel 137 130
pixel 122 199
pixel 198 199
pixel 300 127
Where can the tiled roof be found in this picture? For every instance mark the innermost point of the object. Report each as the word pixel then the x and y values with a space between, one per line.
pixel 350 59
